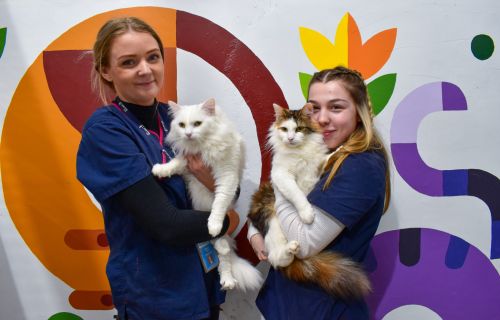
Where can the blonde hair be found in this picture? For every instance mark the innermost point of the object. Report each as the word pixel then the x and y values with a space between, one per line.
pixel 102 47
pixel 364 137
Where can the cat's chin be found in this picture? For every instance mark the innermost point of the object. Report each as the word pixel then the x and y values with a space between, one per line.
pixel 293 145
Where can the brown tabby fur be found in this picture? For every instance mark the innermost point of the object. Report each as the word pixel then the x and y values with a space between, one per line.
pixel 334 273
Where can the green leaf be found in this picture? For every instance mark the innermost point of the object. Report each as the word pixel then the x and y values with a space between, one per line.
pixel 304 82
pixel 380 91
pixel 3 36
pixel 65 316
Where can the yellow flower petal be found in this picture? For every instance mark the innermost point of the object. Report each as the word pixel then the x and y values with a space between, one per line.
pixel 320 51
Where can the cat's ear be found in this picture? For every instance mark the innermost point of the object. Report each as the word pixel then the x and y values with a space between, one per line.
pixel 307 109
pixel 174 107
pixel 209 106
pixel 277 110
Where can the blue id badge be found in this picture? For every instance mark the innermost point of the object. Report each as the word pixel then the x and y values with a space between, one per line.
pixel 208 256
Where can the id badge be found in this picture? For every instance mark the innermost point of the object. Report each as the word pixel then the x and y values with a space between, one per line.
pixel 208 256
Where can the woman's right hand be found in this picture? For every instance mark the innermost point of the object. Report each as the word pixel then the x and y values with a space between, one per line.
pixel 203 173
pixel 259 247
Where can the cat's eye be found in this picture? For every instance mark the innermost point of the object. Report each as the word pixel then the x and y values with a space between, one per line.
pixel 284 129
pixel 182 125
pixel 300 129
pixel 197 123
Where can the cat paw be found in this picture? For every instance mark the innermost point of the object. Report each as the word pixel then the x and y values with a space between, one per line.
pixel 222 247
pixel 292 247
pixel 307 214
pixel 160 170
pixel 228 283
pixel 214 226
pixel 283 256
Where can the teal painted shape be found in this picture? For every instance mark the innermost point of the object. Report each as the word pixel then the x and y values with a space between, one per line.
pixel 3 37
pixel 65 316
pixel 482 46
pixel 304 82
pixel 380 91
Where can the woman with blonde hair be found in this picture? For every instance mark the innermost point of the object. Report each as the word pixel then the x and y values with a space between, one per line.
pixel 155 268
pixel 348 201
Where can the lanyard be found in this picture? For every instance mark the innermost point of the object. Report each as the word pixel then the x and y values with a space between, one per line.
pixel 161 128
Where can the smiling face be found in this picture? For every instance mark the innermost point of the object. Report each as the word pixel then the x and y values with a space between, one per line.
pixel 334 111
pixel 135 67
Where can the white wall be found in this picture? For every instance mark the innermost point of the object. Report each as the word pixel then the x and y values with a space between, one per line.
pixel 433 44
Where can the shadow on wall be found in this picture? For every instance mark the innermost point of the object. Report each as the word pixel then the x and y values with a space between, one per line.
pixel 10 304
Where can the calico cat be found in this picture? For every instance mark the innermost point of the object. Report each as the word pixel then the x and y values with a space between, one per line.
pixel 203 129
pixel 299 154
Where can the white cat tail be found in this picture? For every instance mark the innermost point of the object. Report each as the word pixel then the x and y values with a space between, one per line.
pixel 235 272
pixel 248 278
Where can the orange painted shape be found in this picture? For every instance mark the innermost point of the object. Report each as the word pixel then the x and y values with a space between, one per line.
pixel 91 300
pixel 169 90
pixel 44 199
pixel 379 49
pixel 355 44
pixel 82 36
pixel 38 172
pixel 370 57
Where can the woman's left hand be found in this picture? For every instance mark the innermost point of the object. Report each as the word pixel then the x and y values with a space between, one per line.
pixel 201 171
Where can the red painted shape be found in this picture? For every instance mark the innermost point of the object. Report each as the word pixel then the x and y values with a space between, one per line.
pixel 246 71
pixel 68 77
pixel 79 239
pixel 239 64
pixel 91 300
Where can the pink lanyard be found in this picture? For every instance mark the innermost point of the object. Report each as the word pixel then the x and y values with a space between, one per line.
pixel 161 128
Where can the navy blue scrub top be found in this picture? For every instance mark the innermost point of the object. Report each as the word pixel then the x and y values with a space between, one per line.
pixel 356 198
pixel 148 279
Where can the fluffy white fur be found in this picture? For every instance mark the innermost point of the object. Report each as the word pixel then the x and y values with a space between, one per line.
pixel 204 129
pixel 298 159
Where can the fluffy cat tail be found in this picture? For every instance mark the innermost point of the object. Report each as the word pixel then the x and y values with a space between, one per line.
pixel 247 276
pixel 333 272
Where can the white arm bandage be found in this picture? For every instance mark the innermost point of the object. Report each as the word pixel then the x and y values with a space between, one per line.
pixel 312 237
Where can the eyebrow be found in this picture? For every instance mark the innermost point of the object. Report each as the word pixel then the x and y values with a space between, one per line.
pixel 133 55
pixel 329 101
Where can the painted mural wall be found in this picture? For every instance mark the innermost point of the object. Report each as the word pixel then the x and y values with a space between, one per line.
pixel 431 69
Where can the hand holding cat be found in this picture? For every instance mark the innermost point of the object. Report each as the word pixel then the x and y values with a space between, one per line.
pixel 259 247
pixel 202 172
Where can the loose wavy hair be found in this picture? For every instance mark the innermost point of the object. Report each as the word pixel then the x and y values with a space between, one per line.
pixel 364 137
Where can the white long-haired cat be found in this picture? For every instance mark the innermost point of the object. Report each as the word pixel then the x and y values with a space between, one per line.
pixel 204 129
